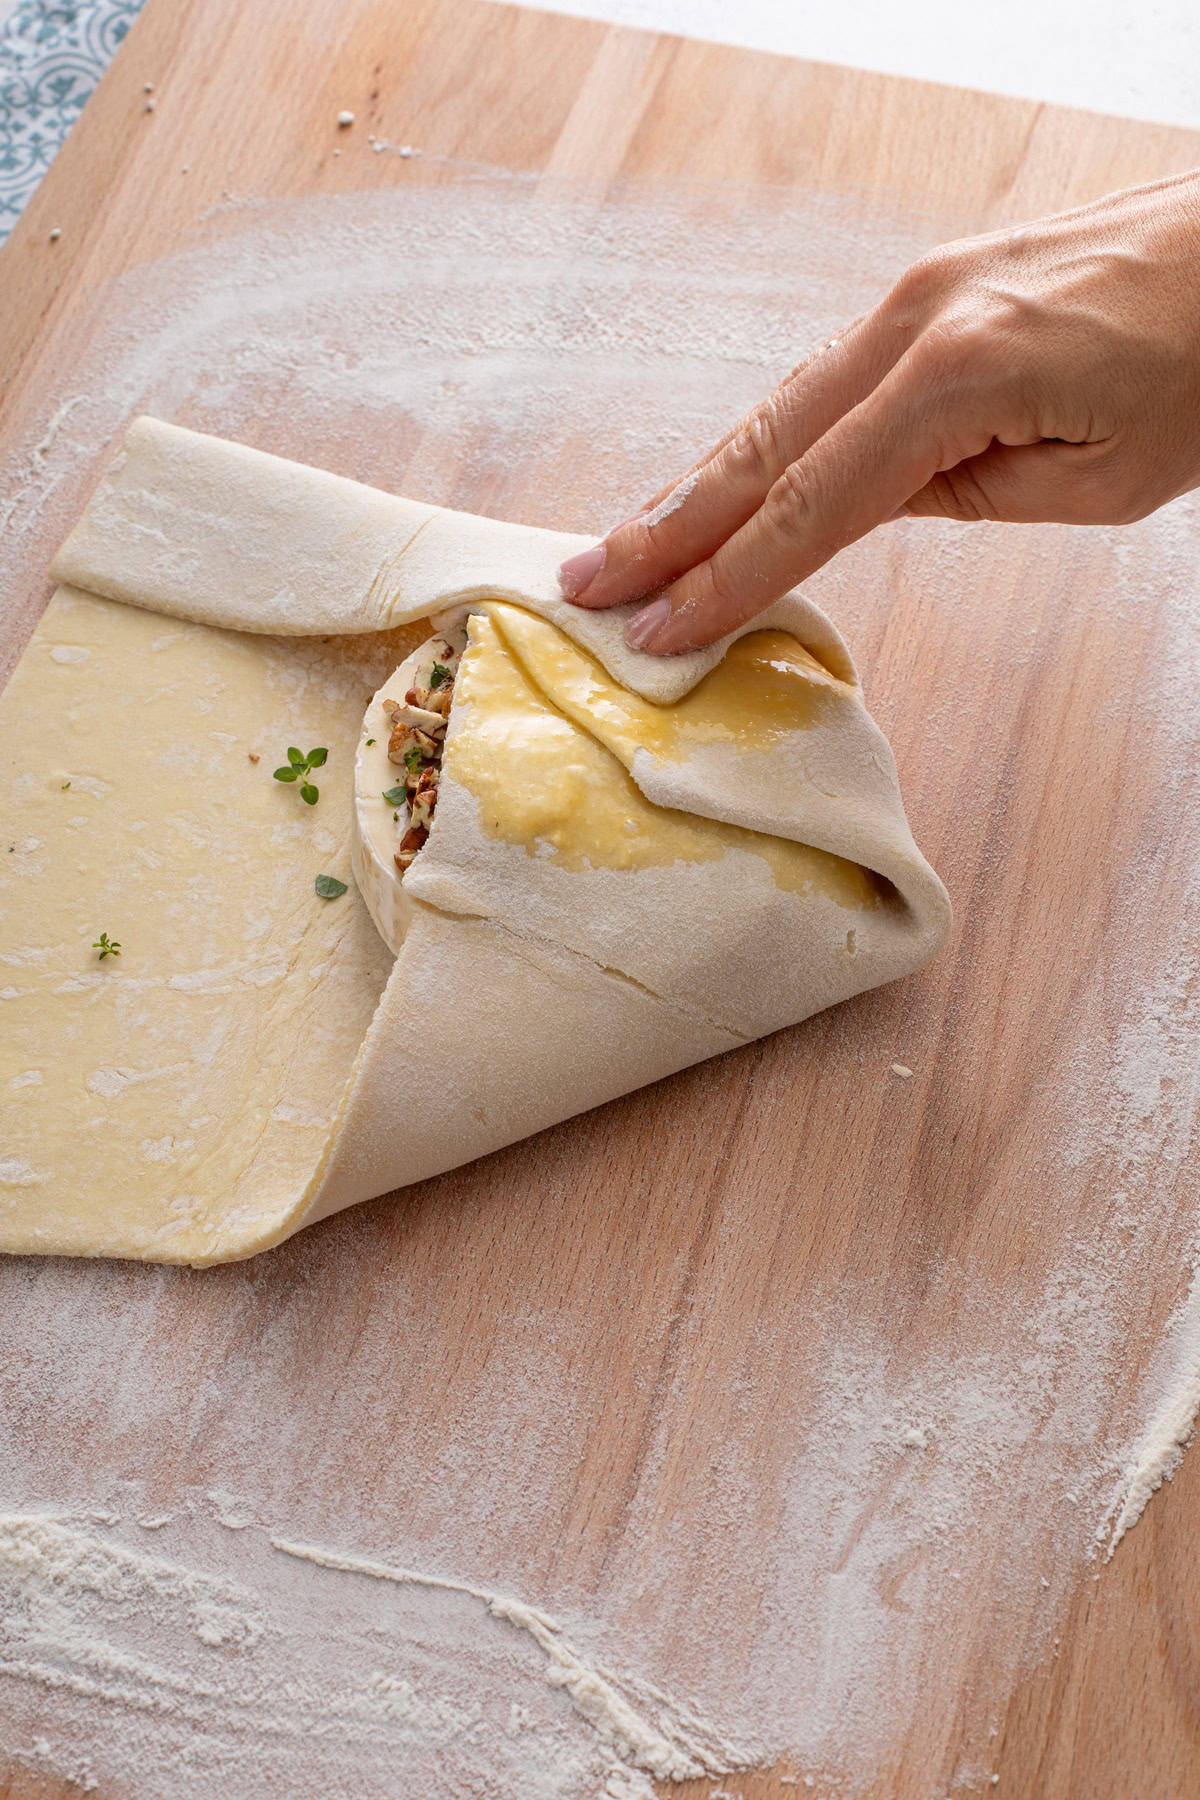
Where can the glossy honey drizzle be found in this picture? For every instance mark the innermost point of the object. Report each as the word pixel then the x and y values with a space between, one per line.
pixel 543 735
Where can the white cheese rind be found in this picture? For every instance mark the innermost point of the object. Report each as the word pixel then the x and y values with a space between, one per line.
pixel 376 831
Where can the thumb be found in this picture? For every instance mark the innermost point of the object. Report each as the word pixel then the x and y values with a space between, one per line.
pixel 1026 484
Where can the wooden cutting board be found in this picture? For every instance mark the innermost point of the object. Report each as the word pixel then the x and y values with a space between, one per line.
pixel 668 1228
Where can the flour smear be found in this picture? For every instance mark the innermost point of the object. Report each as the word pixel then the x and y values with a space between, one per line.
pixel 904 1466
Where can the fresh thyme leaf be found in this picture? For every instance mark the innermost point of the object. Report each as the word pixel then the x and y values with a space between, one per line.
pixel 394 795
pixel 65 786
pixel 438 675
pixel 413 760
pixel 106 946
pixel 329 887
pixel 297 768
pixel 370 741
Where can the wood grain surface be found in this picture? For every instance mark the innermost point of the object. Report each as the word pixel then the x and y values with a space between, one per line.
pixel 782 1168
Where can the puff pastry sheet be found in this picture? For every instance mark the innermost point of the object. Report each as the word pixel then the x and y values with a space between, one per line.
pixel 256 1058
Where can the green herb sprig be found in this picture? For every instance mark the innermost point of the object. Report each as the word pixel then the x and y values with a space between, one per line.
pixel 438 675
pixel 329 887
pixel 298 768
pixel 395 795
pixel 106 946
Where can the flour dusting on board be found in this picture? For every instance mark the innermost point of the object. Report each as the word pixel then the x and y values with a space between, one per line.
pixel 902 1469
pixel 208 1669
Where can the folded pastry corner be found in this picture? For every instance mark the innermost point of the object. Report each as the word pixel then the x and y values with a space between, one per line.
pixel 590 866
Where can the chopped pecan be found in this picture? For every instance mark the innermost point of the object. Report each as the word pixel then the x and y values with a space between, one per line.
pixel 410 843
pixel 409 737
pixel 423 804
pixel 419 723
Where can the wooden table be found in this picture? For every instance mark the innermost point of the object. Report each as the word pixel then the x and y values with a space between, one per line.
pixel 667 1228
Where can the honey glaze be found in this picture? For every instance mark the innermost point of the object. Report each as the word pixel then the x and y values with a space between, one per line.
pixel 546 782
pixel 766 687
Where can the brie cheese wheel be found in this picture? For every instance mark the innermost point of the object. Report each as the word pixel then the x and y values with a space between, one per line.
pixel 376 830
pixel 379 824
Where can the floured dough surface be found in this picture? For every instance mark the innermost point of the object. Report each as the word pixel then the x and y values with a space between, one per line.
pixel 208 1060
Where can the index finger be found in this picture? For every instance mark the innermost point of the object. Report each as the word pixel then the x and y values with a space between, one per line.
pixel 725 489
pixel 854 478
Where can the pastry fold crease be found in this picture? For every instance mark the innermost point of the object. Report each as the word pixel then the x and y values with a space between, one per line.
pixel 635 863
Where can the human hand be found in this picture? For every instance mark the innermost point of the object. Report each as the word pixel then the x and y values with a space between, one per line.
pixel 1051 372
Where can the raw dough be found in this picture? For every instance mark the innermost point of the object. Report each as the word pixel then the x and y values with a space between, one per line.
pixel 233 1075
pixel 172 1102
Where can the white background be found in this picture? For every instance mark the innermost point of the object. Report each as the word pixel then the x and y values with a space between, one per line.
pixel 1138 57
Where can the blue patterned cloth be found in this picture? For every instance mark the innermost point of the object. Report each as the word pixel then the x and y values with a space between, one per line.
pixel 51 57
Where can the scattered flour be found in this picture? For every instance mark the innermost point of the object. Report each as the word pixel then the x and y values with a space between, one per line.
pixel 678 497
pixel 693 1747
pixel 247 1683
pixel 1159 1451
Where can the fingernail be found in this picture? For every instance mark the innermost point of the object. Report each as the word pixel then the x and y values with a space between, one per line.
pixel 578 571
pixel 644 624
